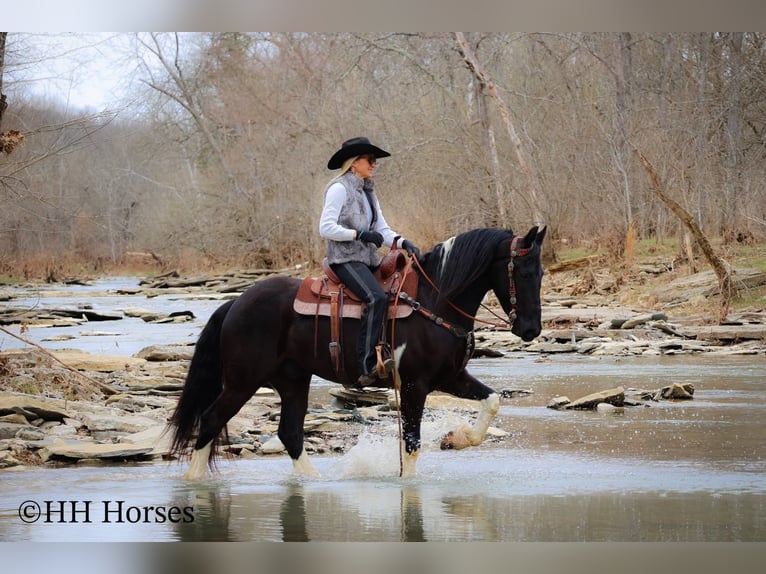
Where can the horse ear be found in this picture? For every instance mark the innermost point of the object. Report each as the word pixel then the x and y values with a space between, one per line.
pixel 529 238
pixel 541 235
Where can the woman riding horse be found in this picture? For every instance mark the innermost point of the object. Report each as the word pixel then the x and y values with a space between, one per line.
pixel 352 222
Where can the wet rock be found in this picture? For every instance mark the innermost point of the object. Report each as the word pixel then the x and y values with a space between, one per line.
pixel 676 391
pixel 608 409
pixel 514 393
pixel 558 403
pixel 637 320
pixel 488 352
pixel 7 460
pixel 141 313
pixel 83 361
pixel 32 407
pixel 83 450
pixel 116 423
pixel 30 434
pixel 547 347
pixel 157 437
pixel 615 397
pixel 62 431
pixel 10 430
pixel 14 418
pixel 273 446
pixel 726 332
pixel 166 353
pixel 356 398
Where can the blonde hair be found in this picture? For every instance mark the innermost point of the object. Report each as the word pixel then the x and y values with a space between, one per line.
pixel 344 168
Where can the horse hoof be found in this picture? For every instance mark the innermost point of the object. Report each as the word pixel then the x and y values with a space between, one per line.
pixel 458 439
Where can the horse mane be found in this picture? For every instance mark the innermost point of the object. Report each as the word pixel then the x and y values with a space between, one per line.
pixel 457 262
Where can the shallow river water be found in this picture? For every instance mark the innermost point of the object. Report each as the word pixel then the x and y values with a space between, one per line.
pixel 674 471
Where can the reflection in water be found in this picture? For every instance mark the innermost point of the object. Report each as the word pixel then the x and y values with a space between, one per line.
pixel 386 511
pixel 212 514
pixel 412 516
pixel 488 495
pixel 293 517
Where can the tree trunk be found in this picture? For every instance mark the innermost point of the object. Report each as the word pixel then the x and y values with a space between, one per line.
pixel 490 147
pixel 623 103
pixel 3 103
pixel 702 126
pixel 533 186
pixel 732 180
pixel 726 286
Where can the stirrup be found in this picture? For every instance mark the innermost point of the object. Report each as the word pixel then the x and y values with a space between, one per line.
pixel 385 365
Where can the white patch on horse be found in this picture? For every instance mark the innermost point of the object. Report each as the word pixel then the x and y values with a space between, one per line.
pixel 446 248
pixel 409 461
pixel 489 408
pixel 398 352
pixel 198 465
pixel 303 465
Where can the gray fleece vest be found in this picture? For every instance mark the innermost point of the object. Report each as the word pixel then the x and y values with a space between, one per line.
pixel 353 215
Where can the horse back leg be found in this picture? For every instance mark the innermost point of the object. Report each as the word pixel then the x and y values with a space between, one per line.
pixel 467 387
pixel 212 422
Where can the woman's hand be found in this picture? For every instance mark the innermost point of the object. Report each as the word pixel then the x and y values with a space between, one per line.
pixel 370 237
pixel 410 248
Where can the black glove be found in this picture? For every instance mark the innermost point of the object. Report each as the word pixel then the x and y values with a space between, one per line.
pixel 410 248
pixel 370 237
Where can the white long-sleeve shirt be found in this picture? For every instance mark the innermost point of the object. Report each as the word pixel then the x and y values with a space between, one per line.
pixel 329 228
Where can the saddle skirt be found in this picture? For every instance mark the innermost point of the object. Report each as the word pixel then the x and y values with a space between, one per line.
pixel 315 295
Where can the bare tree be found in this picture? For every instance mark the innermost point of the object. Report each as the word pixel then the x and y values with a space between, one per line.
pixel 726 286
pixel 533 186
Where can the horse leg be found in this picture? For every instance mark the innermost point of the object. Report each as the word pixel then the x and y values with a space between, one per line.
pixel 467 387
pixel 292 383
pixel 212 422
pixel 413 403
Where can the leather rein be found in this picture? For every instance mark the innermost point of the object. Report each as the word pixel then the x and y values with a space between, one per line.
pixel 514 253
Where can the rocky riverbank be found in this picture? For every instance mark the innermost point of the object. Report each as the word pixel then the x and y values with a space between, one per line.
pixel 67 407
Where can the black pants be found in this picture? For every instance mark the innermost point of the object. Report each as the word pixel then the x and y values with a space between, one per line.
pixel 359 278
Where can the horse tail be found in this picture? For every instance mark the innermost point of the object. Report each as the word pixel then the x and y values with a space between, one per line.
pixel 204 383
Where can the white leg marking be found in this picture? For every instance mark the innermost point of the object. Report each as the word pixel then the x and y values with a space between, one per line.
pixel 409 461
pixel 489 408
pixel 467 435
pixel 198 465
pixel 303 465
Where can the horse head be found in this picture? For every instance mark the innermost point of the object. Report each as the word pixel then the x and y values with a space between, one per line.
pixel 517 280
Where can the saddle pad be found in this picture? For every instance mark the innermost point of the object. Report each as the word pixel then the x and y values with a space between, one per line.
pixel 309 302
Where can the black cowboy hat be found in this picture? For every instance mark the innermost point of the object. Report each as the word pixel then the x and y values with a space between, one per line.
pixel 352 148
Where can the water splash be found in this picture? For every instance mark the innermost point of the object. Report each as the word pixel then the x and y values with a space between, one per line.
pixel 376 453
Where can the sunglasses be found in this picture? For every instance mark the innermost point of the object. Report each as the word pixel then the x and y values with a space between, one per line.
pixel 371 159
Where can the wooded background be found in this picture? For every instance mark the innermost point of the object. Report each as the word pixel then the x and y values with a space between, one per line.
pixel 221 151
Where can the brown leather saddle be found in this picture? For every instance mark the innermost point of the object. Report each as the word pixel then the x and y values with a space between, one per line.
pixel 327 296
pixel 315 295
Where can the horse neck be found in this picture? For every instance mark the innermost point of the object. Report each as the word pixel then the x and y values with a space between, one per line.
pixel 467 301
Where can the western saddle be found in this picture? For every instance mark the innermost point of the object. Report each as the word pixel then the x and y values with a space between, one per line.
pixel 326 296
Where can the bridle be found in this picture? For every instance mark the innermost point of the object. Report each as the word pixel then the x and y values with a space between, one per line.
pixel 515 252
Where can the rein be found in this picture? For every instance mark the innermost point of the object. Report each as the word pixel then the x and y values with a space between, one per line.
pixel 514 252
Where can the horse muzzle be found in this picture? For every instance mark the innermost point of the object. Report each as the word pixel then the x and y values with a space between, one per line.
pixel 527 333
